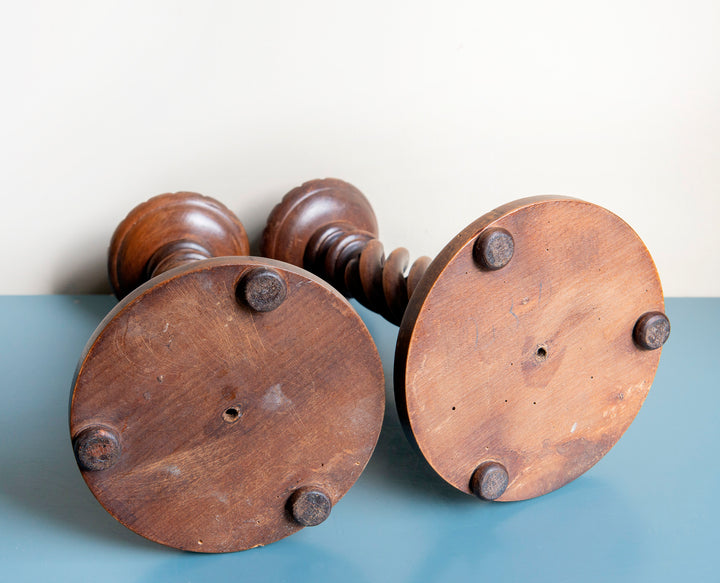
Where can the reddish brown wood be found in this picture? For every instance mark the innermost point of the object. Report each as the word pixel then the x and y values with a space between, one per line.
pixel 329 227
pixel 168 231
pixel 527 346
pixel 215 409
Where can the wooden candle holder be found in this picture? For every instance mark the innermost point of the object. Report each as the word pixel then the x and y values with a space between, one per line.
pixel 227 401
pixel 526 347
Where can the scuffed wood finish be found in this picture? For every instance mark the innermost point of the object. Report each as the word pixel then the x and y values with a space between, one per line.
pixel 228 402
pixel 532 365
pixel 527 346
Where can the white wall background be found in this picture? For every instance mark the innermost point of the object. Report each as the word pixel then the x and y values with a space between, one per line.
pixel 439 111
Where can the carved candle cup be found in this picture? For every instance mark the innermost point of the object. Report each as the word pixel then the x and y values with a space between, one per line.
pixel 526 347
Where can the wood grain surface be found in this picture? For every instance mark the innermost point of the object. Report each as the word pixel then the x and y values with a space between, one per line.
pixel 225 403
pixel 532 365
pixel 223 412
pixel 526 348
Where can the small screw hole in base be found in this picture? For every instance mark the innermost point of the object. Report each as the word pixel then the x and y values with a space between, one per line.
pixel 231 414
pixel 541 353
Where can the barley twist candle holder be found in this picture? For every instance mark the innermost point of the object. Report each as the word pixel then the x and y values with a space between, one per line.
pixel 526 347
pixel 226 401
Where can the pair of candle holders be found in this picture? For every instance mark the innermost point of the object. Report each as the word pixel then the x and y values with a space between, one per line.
pixel 228 401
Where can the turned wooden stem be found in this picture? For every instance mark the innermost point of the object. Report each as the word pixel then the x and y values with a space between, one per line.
pixel 168 231
pixel 328 227
pixel 175 254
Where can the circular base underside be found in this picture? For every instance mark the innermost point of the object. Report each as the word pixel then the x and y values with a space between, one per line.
pixel 222 412
pixel 533 365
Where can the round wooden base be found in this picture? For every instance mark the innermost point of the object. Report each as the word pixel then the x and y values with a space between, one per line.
pixel 530 363
pixel 207 425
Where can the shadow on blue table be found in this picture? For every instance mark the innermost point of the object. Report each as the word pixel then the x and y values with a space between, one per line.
pixel 401 522
pixel 41 476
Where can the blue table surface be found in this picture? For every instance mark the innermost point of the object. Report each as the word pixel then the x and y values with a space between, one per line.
pixel 645 512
